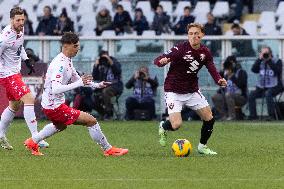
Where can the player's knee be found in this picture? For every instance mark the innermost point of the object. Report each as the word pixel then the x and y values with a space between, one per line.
pixel 176 124
pixel 60 127
pixel 91 122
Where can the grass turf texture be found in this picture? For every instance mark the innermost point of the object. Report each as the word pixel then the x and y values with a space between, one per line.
pixel 250 155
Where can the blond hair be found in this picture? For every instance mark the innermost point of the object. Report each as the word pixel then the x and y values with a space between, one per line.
pixel 196 25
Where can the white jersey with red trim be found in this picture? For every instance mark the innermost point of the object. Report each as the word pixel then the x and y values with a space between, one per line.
pixel 61 71
pixel 11 52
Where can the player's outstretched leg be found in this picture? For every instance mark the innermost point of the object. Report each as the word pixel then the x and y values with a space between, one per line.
pixel 165 126
pixel 98 136
pixel 206 131
pixel 31 121
pixel 6 119
pixel 49 130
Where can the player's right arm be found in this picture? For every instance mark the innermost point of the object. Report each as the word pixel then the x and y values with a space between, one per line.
pixel 171 55
pixel 57 77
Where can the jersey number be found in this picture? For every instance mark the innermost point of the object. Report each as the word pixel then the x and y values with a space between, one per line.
pixel 193 66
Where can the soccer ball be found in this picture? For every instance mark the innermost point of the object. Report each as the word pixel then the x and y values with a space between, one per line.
pixel 182 148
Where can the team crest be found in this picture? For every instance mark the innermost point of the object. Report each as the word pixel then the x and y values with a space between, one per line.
pixel 202 57
pixel 171 105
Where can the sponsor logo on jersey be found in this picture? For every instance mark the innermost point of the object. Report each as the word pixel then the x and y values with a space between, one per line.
pixel 202 57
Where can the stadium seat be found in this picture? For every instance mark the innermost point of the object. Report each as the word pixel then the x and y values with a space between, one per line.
pixel 280 9
pixel 266 17
pixel 221 9
pixel 201 7
pixel 281 32
pixel 168 7
pixel 149 33
pixel 201 18
pixel 268 30
pixel 250 27
pixel 146 8
pixel 179 8
pixel 108 33
pixel 280 20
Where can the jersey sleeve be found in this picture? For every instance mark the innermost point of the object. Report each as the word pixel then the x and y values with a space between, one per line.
pixel 2 45
pixel 24 54
pixel 57 72
pixel 75 76
pixel 173 54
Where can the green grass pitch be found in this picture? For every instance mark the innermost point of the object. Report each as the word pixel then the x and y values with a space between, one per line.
pixel 250 155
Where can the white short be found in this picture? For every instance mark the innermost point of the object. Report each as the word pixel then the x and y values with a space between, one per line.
pixel 194 101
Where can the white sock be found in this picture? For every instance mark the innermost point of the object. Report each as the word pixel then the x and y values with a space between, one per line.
pixel 46 132
pixel 201 145
pixel 29 115
pixel 98 136
pixel 6 119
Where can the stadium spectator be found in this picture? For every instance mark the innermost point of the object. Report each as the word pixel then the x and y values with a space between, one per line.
pixel 140 22
pixel 64 24
pixel 187 18
pixel 33 58
pixel 122 21
pixel 269 85
pixel 28 26
pixel 243 47
pixel 211 28
pixel 181 85
pixel 230 99
pixel 144 89
pixel 103 19
pixel 161 22
pixel 154 4
pixel 11 79
pixel 107 68
pixel 47 23
pixel 58 77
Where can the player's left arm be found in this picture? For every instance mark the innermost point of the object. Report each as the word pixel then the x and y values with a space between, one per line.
pixel 24 55
pixel 213 71
pixel 2 45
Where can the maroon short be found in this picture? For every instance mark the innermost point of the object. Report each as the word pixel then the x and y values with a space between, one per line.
pixel 15 87
pixel 62 115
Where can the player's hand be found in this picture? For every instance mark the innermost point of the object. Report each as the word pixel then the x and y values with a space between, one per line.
pixel 103 84
pixel 30 66
pixel 165 61
pixel 222 82
pixel 86 79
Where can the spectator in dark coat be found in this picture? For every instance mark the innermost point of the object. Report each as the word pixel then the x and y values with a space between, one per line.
pixel 161 22
pixel 144 90
pixel 122 21
pixel 243 47
pixel 211 28
pixel 47 23
pixel 140 22
pixel 64 24
pixel 181 27
pixel 28 25
pixel 103 19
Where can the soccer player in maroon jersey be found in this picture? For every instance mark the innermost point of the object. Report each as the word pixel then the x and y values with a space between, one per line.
pixel 181 85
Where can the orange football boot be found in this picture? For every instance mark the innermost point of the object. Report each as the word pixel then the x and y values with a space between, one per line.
pixel 113 151
pixel 33 147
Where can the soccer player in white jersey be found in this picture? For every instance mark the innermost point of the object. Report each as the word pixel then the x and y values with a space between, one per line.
pixel 11 54
pixel 61 76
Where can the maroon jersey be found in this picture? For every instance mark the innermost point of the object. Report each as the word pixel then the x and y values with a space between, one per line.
pixel 185 64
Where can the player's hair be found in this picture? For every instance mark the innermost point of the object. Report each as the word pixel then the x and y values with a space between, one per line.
pixel 16 11
pixel 267 47
pixel 196 25
pixel 69 38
